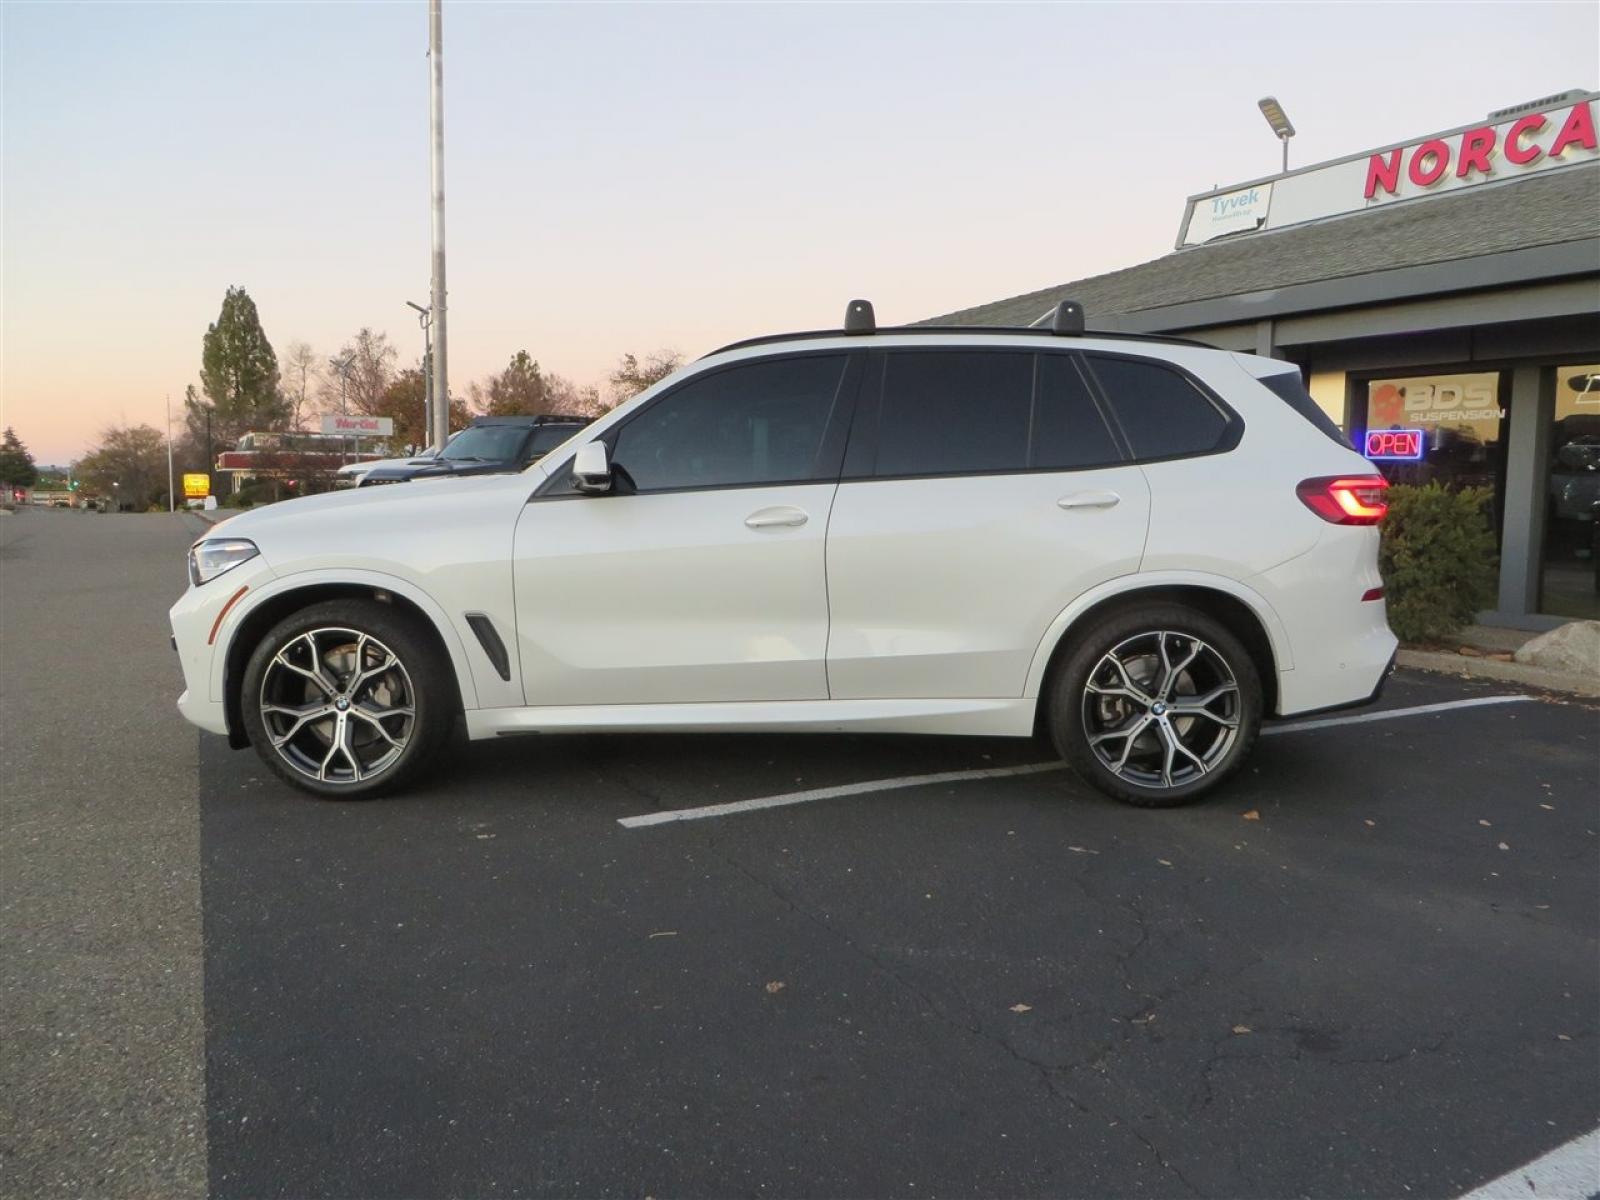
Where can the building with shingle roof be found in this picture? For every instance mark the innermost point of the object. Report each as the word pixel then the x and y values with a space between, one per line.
pixel 1447 285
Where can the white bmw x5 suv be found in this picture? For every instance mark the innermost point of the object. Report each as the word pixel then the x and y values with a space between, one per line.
pixel 1140 547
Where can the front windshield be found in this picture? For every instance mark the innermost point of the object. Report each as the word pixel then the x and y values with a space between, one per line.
pixel 491 443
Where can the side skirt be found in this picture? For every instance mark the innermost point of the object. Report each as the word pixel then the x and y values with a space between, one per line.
pixel 975 718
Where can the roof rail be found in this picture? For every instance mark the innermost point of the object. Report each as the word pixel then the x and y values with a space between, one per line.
pixel 1066 319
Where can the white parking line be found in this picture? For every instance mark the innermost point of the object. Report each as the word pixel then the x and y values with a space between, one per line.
pixel 907 781
pixel 1416 710
pixel 1569 1172
pixel 831 793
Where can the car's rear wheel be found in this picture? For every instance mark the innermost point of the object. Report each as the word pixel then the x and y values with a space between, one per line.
pixel 347 699
pixel 1156 705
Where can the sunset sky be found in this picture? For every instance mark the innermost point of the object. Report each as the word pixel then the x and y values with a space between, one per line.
pixel 625 177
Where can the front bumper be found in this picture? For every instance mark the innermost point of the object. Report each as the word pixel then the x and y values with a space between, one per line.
pixel 209 715
pixel 204 621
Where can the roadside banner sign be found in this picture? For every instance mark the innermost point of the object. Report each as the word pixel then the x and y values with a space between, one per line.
pixel 196 486
pixel 358 426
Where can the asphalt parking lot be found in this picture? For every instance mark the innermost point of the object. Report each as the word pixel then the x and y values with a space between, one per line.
pixel 1383 986
pixel 1368 969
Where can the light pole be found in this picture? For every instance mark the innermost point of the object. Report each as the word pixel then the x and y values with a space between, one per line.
pixel 172 499
pixel 1281 125
pixel 341 368
pixel 425 319
pixel 436 304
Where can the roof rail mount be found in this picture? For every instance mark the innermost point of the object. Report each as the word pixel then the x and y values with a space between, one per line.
pixel 1067 319
pixel 858 317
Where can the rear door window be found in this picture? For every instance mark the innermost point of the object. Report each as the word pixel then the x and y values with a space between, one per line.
pixel 1161 412
pixel 954 412
pixel 1069 432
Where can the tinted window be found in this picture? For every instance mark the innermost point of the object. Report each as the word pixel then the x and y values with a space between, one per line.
pixel 948 413
pixel 495 443
pixel 1068 430
pixel 754 424
pixel 1160 411
pixel 547 437
pixel 1291 389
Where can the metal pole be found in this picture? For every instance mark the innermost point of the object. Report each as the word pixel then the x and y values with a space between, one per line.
pixel 427 380
pixel 172 499
pixel 1285 142
pixel 441 386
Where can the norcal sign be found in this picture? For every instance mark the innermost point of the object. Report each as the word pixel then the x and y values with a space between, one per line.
pixel 358 426
pixel 1531 143
pixel 1552 134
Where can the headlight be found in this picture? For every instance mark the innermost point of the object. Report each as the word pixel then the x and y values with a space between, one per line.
pixel 215 556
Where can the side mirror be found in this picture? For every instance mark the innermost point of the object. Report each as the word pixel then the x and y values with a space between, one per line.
pixel 591 469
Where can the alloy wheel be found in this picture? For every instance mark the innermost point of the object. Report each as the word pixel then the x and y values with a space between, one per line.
pixel 338 705
pixel 1161 709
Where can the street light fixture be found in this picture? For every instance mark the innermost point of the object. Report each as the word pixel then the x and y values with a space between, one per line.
pixel 1279 120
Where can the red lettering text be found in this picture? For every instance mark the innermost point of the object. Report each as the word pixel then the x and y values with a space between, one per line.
pixel 1578 129
pixel 1383 174
pixel 1429 163
pixel 1515 151
pixel 1475 147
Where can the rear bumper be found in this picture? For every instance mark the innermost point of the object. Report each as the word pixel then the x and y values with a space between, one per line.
pixel 1342 646
pixel 1370 698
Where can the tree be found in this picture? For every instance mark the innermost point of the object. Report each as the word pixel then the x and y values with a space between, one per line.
pixel 360 374
pixel 520 389
pixel 239 371
pixel 402 403
pixel 631 377
pixel 129 465
pixel 197 449
pixel 17 467
pixel 302 374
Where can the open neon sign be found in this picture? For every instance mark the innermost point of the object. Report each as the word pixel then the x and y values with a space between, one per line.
pixel 1395 445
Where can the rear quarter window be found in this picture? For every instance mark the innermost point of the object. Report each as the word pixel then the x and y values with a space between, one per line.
pixel 1291 389
pixel 1161 411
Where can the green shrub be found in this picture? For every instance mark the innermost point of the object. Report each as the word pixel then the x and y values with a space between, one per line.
pixel 1438 559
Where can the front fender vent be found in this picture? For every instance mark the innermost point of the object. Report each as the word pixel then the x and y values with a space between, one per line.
pixel 489 639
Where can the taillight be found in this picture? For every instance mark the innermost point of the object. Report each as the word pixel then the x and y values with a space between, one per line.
pixel 1346 499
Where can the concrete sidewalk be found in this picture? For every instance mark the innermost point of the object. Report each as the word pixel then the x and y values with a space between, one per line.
pixel 1485 652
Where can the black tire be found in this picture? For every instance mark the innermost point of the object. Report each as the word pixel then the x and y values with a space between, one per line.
pixel 390 726
pixel 1210 751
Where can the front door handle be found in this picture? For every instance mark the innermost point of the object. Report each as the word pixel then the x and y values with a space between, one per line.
pixel 777 517
pixel 1089 500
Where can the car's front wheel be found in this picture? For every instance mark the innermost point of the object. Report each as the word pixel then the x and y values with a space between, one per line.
pixel 1156 705
pixel 346 699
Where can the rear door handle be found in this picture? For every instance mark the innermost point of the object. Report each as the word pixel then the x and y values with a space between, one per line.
pixel 779 516
pixel 1089 500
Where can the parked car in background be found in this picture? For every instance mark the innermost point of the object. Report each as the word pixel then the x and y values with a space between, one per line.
pixel 488 446
pixel 1141 546
pixel 351 474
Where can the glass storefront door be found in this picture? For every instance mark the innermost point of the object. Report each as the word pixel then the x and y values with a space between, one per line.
pixel 1570 576
pixel 1447 429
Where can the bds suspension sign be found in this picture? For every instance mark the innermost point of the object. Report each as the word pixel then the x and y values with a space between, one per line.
pixel 350 426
